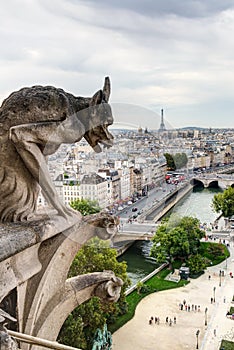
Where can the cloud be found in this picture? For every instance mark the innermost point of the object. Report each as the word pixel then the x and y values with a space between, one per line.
pixel 183 8
pixel 159 54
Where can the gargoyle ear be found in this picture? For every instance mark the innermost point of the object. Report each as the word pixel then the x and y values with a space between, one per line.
pixel 97 98
pixel 106 89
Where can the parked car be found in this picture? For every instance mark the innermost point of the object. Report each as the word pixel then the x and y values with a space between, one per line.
pixel 134 209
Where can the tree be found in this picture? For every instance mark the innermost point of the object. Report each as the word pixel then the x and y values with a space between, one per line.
pixel 170 161
pixel 176 161
pixel 196 263
pixel 224 202
pixel 180 160
pixel 81 325
pixel 139 286
pixel 169 244
pixel 192 227
pixel 93 314
pixel 176 239
pixel 85 206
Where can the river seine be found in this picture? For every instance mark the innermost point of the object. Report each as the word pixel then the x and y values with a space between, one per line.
pixel 196 204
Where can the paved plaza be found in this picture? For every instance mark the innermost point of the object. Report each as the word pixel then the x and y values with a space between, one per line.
pixel 138 334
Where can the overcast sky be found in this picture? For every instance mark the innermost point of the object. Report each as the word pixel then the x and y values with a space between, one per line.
pixel 172 54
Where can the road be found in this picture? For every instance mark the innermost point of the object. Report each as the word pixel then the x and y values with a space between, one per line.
pixel 145 203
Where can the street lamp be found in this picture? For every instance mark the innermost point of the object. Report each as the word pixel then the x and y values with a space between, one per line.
pixel 220 275
pixel 206 316
pixel 214 293
pixel 197 334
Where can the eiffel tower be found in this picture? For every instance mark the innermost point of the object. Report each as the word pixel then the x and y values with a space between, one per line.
pixel 162 125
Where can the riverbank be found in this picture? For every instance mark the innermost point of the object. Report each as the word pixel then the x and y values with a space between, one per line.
pixel 169 201
pixel 210 321
pixel 157 211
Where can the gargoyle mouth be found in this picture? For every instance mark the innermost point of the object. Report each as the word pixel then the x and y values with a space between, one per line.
pixel 106 139
pixel 106 144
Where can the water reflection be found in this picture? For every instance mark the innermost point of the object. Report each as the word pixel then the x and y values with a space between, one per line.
pixel 196 204
pixel 138 260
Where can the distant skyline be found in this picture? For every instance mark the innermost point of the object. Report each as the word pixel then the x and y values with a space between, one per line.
pixel 175 55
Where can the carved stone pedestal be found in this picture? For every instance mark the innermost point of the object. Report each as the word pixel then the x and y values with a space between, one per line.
pixel 36 260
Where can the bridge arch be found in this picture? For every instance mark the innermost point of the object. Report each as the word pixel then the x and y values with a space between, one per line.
pixel 213 183
pixel 196 182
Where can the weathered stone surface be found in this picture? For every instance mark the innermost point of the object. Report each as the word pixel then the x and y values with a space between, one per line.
pixel 75 292
pixel 37 261
pixel 34 122
pixel 36 251
pixel 18 269
pixel 44 290
pixel 14 238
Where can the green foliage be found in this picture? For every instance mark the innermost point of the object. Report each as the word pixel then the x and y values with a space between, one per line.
pixel 72 331
pixel 142 288
pixel 170 161
pixel 216 249
pixel 224 202
pixel 231 311
pixel 85 206
pixel 227 345
pixel 176 161
pixel 158 282
pixel 94 256
pixel 180 160
pixel 176 238
pixel 196 264
pixel 80 327
pixel 214 252
pixel 154 284
pixel 139 286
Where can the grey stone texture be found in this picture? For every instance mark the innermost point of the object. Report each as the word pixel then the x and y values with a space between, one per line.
pixel 34 122
pixel 36 251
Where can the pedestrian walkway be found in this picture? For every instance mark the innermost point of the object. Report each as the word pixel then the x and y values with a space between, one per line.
pixel 138 334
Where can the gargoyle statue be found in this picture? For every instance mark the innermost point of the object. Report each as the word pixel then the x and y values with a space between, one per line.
pixel 34 122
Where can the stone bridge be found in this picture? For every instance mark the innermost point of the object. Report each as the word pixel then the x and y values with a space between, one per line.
pixel 208 180
pixel 132 236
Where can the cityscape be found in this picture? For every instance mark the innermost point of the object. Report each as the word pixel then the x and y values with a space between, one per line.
pixel 132 180
pixel 136 163
pixel 117 175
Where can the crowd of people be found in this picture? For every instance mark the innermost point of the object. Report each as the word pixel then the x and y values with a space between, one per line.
pixel 188 307
pixel 156 320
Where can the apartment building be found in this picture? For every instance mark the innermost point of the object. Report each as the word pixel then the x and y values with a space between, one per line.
pixel 95 188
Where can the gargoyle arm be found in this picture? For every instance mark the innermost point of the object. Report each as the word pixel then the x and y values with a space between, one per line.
pixel 35 141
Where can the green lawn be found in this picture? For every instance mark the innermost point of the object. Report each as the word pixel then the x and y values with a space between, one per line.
pixel 226 345
pixel 206 251
pixel 154 284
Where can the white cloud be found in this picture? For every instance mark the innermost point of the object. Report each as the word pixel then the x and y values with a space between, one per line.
pixel 157 55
